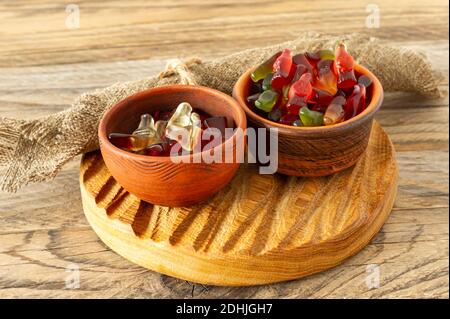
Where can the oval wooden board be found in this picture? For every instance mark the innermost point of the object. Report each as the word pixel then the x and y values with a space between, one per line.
pixel 259 229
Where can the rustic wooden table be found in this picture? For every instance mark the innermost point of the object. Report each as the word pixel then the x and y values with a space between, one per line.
pixel 45 63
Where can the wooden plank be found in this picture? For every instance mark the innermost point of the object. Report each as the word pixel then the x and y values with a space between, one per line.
pixel 164 28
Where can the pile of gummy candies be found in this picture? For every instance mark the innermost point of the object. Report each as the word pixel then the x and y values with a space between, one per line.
pixel 159 133
pixel 309 89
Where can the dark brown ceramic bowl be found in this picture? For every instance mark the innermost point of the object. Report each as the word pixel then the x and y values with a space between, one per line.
pixel 158 179
pixel 322 150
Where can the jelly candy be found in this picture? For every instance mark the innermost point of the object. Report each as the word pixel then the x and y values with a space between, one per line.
pixel 288 119
pixel 364 80
pixel 310 118
pixel 313 58
pixel 362 100
pixel 356 102
pixel 335 111
pixel 318 108
pixel 344 68
pixel 160 131
pixel 156 115
pixel 265 68
pixel 129 141
pixel 302 60
pixel 283 69
pixel 154 150
pixel 266 82
pixel 146 126
pixel 344 61
pixel 326 80
pixel 181 117
pixel 275 115
pixel 321 98
pixel 299 93
pixel 164 115
pixel 341 93
pixel 300 70
pixel 255 88
pixel 310 88
pixel 252 98
pixel 181 127
pixel 146 134
pixel 184 126
pixel 302 87
pixel 267 100
pixel 295 103
pixel 326 55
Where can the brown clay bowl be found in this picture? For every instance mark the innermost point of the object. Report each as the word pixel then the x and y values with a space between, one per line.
pixel 157 179
pixel 322 150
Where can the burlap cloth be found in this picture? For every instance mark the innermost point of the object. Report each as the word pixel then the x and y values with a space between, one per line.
pixel 35 150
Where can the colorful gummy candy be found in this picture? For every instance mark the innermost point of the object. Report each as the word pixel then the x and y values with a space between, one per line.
pixel 309 89
pixel 157 135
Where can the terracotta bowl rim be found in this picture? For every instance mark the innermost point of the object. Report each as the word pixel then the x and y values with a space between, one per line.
pixel 374 105
pixel 111 113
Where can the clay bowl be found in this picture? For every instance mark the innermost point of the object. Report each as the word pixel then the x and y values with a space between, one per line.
pixel 317 151
pixel 158 179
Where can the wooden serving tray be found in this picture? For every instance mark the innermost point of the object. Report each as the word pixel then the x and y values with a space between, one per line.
pixel 259 229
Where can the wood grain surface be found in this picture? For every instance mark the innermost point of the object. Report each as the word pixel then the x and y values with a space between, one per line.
pixel 44 66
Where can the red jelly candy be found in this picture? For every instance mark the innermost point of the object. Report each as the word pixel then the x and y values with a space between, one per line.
pixel 156 115
pixel 344 61
pixel 321 98
pixel 301 59
pixel 356 102
pixel 164 115
pixel 299 71
pixel 296 103
pixel 326 80
pixel 343 67
pixel 313 58
pixel 319 108
pixel 299 94
pixel 346 80
pixel 362 102
pixel 283 69
pixel 302 87
pixel 154 150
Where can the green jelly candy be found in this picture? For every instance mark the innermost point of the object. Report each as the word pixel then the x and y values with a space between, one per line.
pixel 263 69
pixel 267 100
pixel 310 118
pixel 326 55
pixel 266 82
